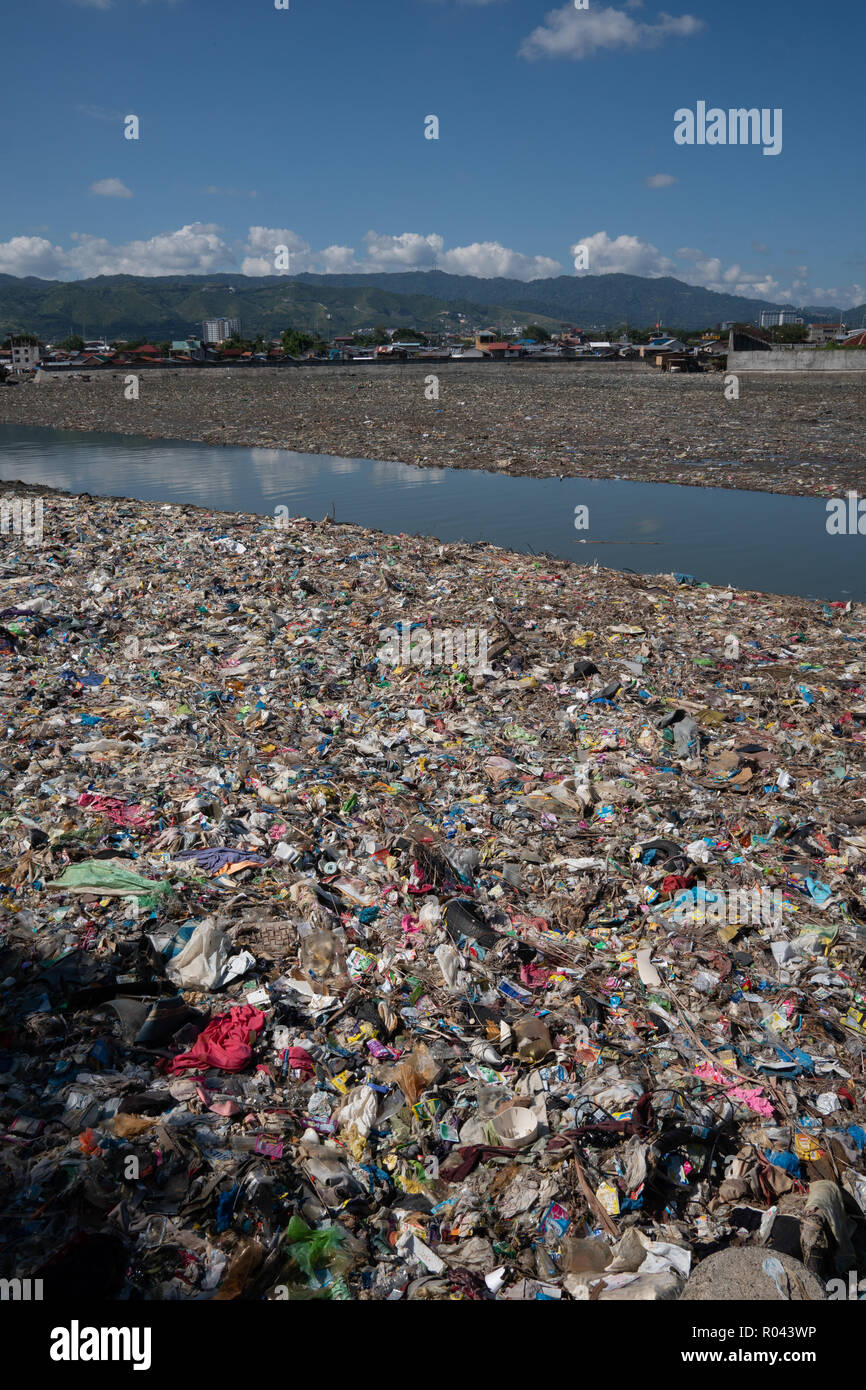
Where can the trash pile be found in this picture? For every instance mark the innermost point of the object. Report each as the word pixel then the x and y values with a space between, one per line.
pixel 795 434
pixel 328 978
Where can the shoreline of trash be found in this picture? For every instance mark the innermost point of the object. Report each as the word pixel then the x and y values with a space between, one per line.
pixel 333 968
pixel 798 436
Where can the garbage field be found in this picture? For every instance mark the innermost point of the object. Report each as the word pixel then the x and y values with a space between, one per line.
pixel 789 434
pixel 384 920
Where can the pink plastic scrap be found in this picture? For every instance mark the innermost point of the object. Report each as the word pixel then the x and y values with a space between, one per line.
pixel 749 1095
pixel 117 811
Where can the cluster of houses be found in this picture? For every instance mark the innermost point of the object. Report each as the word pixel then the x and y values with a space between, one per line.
pixel 488 345
pixel 663 351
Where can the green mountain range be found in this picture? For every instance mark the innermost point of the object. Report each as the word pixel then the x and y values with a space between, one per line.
pixel 163 307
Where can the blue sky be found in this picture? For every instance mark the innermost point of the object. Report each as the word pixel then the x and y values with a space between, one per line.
pixel 305 128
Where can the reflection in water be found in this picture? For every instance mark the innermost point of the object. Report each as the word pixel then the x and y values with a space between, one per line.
pixel 751 540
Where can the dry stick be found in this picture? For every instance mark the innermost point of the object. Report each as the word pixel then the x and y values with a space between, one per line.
pixel 593 1202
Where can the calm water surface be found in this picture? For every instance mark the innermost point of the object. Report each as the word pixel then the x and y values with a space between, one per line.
pixel 752 540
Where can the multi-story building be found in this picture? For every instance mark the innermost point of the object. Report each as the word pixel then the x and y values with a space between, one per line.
pixel 778 318
pixel 825 332
pixel 25 357
pixel 219 330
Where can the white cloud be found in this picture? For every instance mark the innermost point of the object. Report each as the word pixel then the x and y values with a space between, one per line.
pixel 259 252
pixel 193 250
pixel 384 252
pixel 409 251
pixel 212 188
pixel 623 255
pixel 110 188
pixel 630 255
pixel 33 255
pixel 571 33
pixel 848 297
pixel 336 260
pixel 489 258
pixel 660 180
pixel 202 248
pixel 99 113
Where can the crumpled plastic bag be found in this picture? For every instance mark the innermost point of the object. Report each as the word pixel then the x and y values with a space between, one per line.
pixel 358 1111
pixel 205 962
pixel 311 1249
pixel 416 1073
pixel 109 880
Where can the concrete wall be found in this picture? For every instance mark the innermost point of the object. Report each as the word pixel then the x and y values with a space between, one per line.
pixel 810 360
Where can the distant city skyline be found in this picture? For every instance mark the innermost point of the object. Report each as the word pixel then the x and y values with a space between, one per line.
pixel 555 135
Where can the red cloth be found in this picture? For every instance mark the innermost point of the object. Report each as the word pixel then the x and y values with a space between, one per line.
pixel 300 1060
pixel 536 976
pixel 677 881
pixel 224 1043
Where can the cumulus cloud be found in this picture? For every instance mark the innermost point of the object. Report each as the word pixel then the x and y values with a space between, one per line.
pixel 630 255
pixel 409 251
pixel 849 296
pixel 660 180
pixel 202 248
pixel 623 255
pixel 571 33
pixel 34 255
pixel 259 252
pixel 393 253
pixel 194 250
pixel 110 188
pixel 489 258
